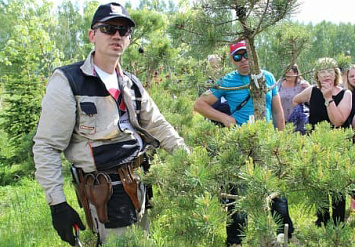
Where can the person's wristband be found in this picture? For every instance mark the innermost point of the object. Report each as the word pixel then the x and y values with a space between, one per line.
pixel 327 102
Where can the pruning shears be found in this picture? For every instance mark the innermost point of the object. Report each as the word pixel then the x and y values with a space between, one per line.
pixel 77 239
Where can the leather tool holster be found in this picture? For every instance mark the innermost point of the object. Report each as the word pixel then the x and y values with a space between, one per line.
pixel 130 183
pixel 98 189
pixel 78 182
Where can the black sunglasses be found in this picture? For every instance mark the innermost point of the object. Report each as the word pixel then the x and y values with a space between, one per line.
pixel 238 57
pixel 111 29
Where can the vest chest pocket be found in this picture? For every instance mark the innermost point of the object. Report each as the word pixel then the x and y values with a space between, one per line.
pixel 87 118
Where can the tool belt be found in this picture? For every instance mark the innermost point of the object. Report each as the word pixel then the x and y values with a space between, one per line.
pixel 97 188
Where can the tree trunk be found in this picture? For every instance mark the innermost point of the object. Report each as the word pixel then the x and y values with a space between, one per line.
pixel 257 89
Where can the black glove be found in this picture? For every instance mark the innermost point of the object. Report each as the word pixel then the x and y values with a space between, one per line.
pixel 63 219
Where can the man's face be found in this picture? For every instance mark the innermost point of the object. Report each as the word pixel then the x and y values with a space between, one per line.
pixel 242 64
pixel 110 38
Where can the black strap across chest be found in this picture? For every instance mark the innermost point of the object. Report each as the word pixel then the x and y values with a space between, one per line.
pixel 243 103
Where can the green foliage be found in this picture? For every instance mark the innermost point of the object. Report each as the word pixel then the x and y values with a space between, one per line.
pixel 25 216
pixel 192 212
pixel 149 36
pixel 147 21
pixel 27 58
pixel 344 61
pixel 155 5
pixel 331 171
pixel 288 41
pixel 188 188
pixel 174 98
pixel 17 162
pixel 260 160
pixel 22 106
pixel 203 31
pixel 132 238
pixel 72 41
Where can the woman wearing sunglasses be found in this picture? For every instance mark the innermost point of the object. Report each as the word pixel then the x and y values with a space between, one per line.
pixel 328 102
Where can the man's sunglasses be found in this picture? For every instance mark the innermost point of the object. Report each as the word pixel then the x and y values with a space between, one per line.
pixel 238 57
pixel 111 29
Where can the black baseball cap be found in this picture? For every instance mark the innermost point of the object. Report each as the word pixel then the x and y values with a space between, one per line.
pixel 111 11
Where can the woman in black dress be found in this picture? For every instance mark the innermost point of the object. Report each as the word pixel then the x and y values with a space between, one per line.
pixel 328 102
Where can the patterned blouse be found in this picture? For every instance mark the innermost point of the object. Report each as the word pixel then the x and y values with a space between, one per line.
pixel 287 94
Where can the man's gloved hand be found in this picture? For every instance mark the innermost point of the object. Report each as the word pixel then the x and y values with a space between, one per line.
pixel 63 218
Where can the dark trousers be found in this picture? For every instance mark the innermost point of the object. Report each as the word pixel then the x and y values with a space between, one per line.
pixel 338 215
pixel 279 207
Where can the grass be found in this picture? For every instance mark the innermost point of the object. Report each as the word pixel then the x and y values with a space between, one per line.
pixel 25 216
pixel 308 235
pixel 6 150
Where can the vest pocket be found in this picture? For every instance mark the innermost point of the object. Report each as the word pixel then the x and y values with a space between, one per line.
pixel 87 118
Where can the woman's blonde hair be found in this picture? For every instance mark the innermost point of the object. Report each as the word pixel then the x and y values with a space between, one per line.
pixel 350 87
pixel 326 63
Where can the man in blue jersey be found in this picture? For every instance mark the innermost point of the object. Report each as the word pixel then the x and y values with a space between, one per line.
pixel 238 98
pixel 241 106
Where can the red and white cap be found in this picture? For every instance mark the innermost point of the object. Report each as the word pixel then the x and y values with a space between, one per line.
pixel 233 48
